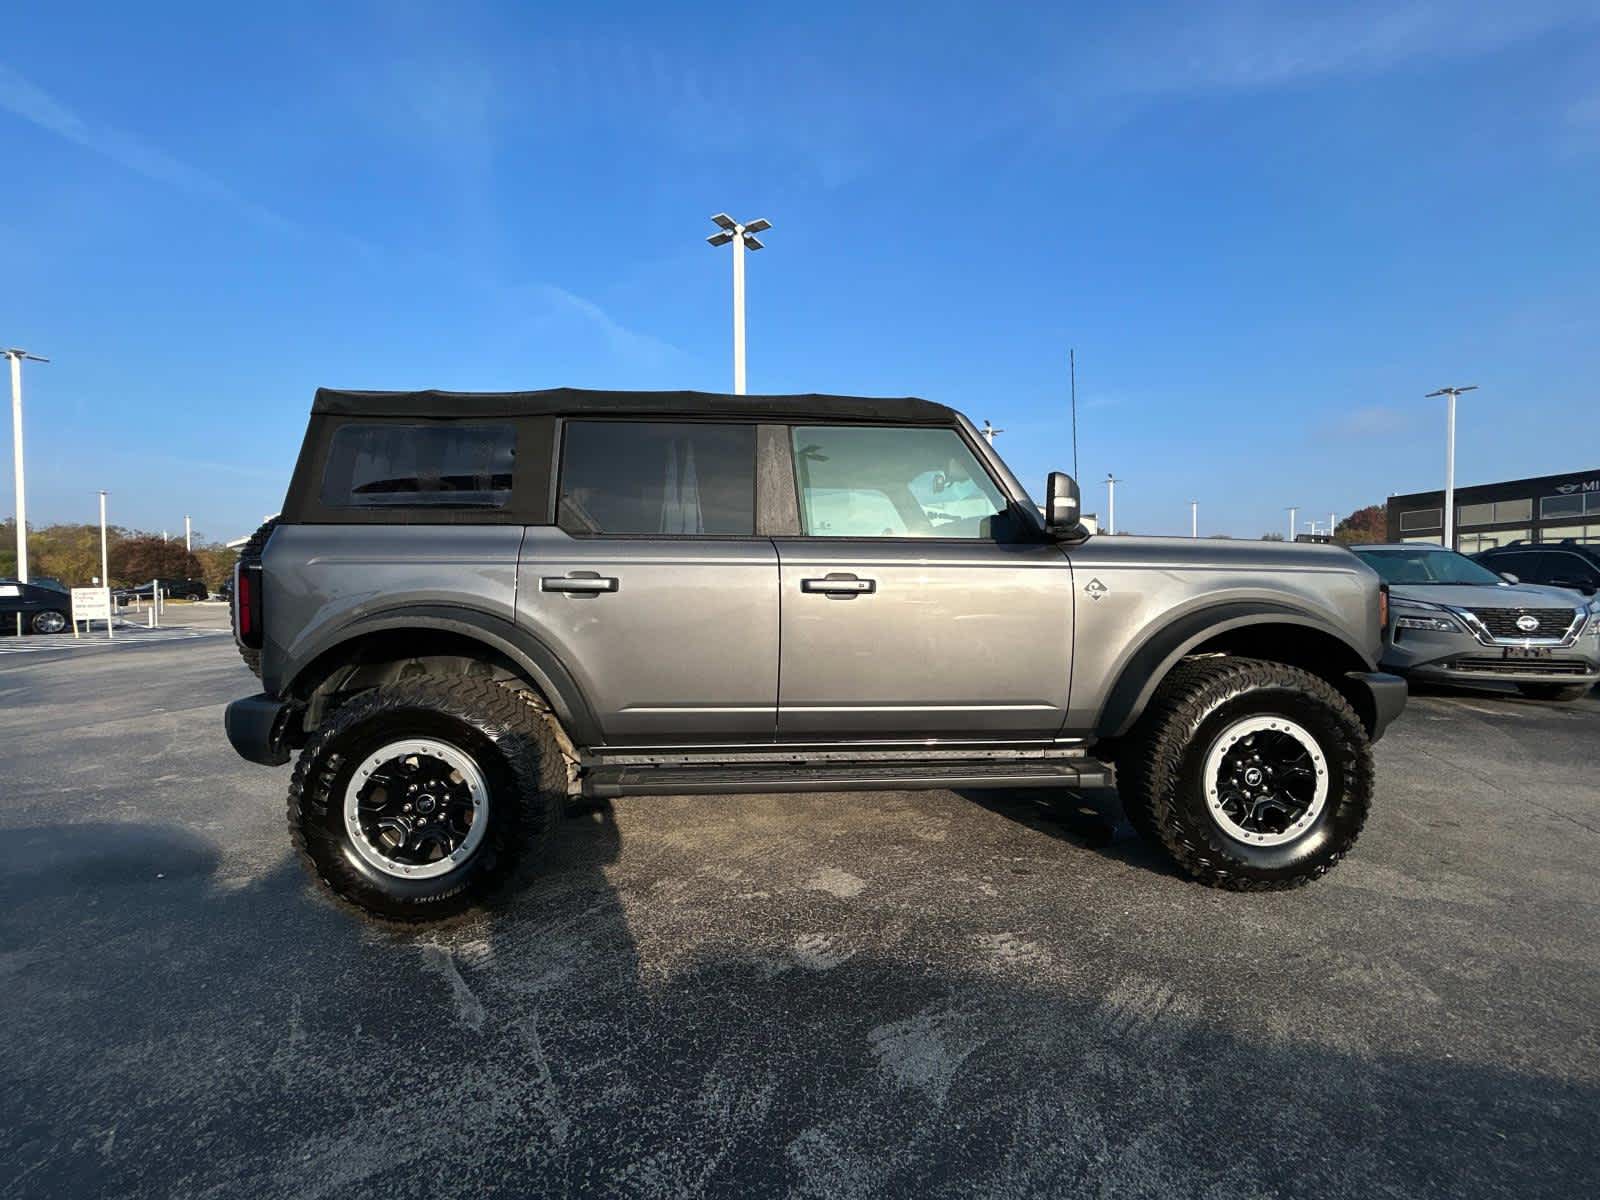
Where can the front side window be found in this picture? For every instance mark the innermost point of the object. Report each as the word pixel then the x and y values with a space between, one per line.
pixel 393 465
pixel 653 478
pixel 868 481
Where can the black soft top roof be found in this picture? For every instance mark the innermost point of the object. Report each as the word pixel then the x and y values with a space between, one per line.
pixel 579 401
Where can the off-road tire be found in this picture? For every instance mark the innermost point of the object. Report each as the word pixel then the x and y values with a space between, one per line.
pixel 1133 788
pixel 508 740
pixel 1160 770
pixel 250 553
pixel 1565 692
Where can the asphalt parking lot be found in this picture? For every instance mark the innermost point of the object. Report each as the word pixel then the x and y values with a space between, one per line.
pixel 842 996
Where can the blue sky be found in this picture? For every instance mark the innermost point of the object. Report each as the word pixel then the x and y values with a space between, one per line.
pixel 1267 229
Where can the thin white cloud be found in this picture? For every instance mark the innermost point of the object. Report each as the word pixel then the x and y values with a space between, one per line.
pixel 623 342
pixel 1240 45
pixel 1371 421
pixel 29 102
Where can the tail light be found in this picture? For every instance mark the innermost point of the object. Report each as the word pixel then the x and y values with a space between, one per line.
pixel 1383 606
pixel 247 611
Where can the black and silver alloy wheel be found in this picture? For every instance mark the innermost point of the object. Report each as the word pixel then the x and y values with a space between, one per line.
pixel 417 808
pixel 48 621
pixel 1266 780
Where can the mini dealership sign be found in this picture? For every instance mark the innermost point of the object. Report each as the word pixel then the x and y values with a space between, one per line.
pixel 91 604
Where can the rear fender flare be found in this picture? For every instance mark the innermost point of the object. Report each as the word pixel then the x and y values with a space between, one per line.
pixel 542 666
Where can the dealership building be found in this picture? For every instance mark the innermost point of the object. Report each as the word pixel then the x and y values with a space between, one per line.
pixel 1549 508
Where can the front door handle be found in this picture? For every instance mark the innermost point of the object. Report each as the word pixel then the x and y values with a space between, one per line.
pixel 840 586
pixel 584 583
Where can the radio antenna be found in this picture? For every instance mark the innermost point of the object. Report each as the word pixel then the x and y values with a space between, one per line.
pixel 1072 368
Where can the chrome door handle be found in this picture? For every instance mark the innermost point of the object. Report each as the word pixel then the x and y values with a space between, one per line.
pixel 587 584
pixel 840 586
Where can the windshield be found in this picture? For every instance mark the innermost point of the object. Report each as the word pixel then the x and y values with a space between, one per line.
pixel 1426 566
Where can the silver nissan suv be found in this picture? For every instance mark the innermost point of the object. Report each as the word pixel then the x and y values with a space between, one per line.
pixel 1455 621
pixel 477 607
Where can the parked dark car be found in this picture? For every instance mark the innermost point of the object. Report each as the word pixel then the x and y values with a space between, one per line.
pixel 1568 564
pixel 45 606
pixel 172 589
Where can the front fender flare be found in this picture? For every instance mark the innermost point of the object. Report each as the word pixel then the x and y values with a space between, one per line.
pixel 1161 649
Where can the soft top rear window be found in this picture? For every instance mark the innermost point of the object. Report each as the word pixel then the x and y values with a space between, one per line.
pixel 396 465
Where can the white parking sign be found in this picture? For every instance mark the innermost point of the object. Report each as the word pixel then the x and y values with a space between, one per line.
pixel 91 604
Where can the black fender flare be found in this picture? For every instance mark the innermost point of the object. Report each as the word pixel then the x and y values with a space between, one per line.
pixel 541 664
pixel 1161 649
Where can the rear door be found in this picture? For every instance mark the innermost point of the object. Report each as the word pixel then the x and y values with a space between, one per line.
pixel 915 604
pixel 653 587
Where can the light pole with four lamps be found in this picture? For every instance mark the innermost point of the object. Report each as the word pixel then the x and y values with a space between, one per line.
pixel 1450 460
pixel 742 236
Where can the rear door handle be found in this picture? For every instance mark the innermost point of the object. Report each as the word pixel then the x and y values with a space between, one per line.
pixel 841 586
pixel 585 583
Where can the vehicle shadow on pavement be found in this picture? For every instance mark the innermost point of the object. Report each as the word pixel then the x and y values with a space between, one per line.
pixel 179 1030
pixel 1091 818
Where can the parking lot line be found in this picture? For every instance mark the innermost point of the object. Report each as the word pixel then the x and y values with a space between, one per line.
pixel 127 635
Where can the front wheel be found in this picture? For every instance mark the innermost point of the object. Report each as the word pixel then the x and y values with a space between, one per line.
pixel 1253 775
pixel 415 800
pixel 1564 692
pixel 48 621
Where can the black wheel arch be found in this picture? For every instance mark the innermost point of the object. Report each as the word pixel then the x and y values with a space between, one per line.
pixel 1249 628
pixel 450 631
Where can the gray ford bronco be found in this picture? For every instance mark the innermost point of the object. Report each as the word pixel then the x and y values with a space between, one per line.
pixel 477 608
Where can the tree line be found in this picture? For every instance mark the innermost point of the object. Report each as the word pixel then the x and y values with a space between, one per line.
pixel 71 553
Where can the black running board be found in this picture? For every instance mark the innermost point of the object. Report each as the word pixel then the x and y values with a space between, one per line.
pixel 604 782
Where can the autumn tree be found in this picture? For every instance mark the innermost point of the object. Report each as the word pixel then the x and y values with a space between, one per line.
pixel 1365 525
pixel 146 557
pixel 216 563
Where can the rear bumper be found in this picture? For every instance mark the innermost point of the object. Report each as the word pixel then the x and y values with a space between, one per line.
pixel 1388 694
pixel 255 728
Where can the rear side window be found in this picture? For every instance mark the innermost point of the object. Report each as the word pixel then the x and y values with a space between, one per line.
pixel 1521 563
pixel 654 478
pixel 393 465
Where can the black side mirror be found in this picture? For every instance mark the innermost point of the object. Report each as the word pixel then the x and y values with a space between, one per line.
pixel 1062 504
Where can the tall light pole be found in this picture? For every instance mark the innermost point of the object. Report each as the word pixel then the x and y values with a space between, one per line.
pixel 1111 502
pixel 17 357
pixel 1194 518
pixel 1450 460
pixel 1294 510
pixel 105 570
pixel 188 533
pixel 741 236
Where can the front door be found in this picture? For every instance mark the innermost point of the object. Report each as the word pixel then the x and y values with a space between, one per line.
pixel 653 588
pixel 916 604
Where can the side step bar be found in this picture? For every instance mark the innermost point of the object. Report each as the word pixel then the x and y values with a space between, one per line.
pixel 605 782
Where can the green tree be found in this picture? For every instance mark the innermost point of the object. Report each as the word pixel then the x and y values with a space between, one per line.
pixel 1272 537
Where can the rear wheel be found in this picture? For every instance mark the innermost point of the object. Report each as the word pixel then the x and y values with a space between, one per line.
pixel 1253 775
pixel 1555 691
pixel 48 621
pixel 416 799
